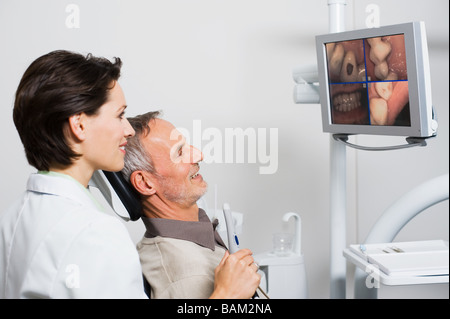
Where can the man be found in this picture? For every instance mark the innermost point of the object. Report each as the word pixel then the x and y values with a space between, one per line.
pixel 181 253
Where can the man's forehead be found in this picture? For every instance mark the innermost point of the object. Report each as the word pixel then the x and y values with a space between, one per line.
pixel 162 130
pixel 160 124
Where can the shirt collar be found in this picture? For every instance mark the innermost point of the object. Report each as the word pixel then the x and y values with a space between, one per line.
pixel 202 233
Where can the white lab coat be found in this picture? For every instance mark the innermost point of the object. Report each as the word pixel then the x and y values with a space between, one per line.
pixel 55 242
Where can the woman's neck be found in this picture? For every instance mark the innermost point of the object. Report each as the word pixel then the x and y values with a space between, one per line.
pixel 81 173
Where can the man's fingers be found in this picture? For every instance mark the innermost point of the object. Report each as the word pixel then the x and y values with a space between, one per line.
pixel 247 260
pixel 243 253
pixel 224 258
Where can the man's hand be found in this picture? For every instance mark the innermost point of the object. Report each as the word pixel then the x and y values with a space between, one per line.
pixel 236 276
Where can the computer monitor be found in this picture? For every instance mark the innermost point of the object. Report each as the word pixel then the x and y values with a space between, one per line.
pixel 376 81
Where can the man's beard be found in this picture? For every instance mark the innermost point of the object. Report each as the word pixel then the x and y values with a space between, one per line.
pixel 180 194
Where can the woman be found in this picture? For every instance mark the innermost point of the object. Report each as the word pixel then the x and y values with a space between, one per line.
pixel 55 242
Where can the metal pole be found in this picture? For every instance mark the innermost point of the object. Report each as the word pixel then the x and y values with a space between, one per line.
pixel 338 185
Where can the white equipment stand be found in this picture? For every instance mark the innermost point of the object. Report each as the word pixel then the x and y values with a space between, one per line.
pixel 338 185
pixel 306 91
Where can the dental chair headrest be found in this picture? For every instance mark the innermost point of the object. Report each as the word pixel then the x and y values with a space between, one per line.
pixel 127 194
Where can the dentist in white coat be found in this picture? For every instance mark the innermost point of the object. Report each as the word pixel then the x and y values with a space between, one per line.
pixel 55 240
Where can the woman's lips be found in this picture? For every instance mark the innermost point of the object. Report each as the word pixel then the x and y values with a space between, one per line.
pixel 122 148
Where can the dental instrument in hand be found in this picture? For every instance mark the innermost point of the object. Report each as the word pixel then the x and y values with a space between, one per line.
pixel 233 240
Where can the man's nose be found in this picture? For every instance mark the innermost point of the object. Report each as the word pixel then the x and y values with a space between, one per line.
pixel 196 155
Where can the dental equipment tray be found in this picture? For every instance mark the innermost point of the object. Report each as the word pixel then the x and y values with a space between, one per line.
pixel 403 263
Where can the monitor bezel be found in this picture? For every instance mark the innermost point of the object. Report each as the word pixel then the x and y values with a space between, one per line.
pixel 419 82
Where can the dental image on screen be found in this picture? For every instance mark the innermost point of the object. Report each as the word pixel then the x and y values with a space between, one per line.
pixel 368 81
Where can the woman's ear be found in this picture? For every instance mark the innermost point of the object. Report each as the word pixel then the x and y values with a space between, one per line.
pixel 143 183
pixel 77 126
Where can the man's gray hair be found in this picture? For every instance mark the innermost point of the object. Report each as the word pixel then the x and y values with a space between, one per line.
pixel 136 157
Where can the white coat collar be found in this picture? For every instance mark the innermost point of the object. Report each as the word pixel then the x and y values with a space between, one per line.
pixel 61 185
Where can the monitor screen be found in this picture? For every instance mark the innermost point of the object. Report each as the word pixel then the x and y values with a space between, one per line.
pixel 376 81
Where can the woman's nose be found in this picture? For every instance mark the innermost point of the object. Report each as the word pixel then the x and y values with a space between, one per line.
pixel 129 131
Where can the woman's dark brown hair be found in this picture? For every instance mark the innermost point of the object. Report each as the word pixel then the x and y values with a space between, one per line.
pixel 54 87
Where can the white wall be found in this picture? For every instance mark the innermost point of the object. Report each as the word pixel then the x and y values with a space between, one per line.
pixel 229 64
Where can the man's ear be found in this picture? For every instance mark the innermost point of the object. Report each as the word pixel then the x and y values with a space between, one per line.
pixel 143 183
pixel 77 126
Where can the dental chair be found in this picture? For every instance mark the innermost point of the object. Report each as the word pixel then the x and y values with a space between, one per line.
pixel 128 196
